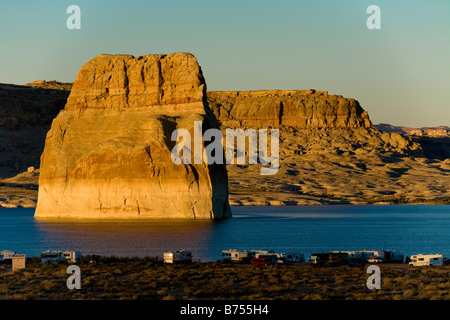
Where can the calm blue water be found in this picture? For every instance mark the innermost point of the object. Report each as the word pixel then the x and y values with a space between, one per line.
pixel 407 228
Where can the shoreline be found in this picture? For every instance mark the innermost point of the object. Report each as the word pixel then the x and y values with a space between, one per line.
pixel 129 279
pixel 280 203
pixel 258 204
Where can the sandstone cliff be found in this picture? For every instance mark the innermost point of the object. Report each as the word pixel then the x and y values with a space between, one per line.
pixel 330 153
pixel 108 153
pixel 302 109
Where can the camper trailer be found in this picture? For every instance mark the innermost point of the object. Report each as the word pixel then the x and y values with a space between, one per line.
pixel 233 255
pixel 179 256
pixel 420 260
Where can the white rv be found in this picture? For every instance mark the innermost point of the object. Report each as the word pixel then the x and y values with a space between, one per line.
pixel 179 256
pixel 292 257
pixel 264 253
pixel 237 255
pixel 54 257
pixel 419 260
pixel 60 256
pixel 6 256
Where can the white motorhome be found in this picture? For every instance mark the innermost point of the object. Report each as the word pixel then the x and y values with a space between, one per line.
pixel 6 256
pixel 419 260
pixel 179 256
pixel 237 255
pixel 292 257
pixel 54 257
pixel 265 253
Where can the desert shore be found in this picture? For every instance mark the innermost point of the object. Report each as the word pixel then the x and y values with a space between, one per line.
pixel 136 279
pixel 311 180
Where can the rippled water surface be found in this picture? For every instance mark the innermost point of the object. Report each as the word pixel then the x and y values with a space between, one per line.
pixel 407 228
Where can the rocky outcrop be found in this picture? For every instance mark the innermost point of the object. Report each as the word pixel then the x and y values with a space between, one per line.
pixel 330 153
pixel 53 84
pixel 302 109
pixel 430 132
pixel 439 131
pixel 108 153
pixel 310 121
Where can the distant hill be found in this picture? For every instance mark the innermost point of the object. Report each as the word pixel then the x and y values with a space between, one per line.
pixel 424 131
pixel 65 86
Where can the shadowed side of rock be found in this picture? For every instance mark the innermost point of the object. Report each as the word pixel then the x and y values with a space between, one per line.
pixel 108 153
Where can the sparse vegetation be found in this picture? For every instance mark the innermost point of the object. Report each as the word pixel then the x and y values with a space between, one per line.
pixel 147 278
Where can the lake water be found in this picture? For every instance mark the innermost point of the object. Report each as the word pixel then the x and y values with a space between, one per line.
pixel 305 229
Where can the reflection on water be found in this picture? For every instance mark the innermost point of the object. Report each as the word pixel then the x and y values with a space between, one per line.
pixel 407 228
pixel 127 238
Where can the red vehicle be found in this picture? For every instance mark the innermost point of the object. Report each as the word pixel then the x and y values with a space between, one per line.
pixel 263 261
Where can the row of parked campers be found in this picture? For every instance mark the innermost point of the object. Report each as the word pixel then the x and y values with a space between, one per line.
pixel 356 257
pixel 335 258
pixel 56 257
pixel 260 257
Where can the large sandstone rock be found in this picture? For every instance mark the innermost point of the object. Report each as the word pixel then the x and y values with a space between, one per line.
pixel 108 153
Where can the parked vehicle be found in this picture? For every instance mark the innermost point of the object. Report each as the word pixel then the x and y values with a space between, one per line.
pixel 374 256
pixel 58 256
pixel 54 257
pixel 419 260
pixel 264 260
pixel 292 257
pixel 6 256
pixel 393 256
pixel 233 255
pixel 330 258
pixel 72 256
pixel 269 255
pixel 179 256
pixel 375 259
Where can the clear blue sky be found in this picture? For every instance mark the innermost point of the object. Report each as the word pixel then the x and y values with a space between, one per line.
pixel 400 74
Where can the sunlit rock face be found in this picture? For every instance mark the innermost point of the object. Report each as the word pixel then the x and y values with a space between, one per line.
pixel 108 153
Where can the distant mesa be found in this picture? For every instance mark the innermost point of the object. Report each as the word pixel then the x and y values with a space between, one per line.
pixel 53 84
pixel 108 153
pixel 301 109
pixel 439 131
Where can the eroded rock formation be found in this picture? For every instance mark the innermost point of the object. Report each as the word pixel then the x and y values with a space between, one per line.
pixel 302 109
pixel 108 153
